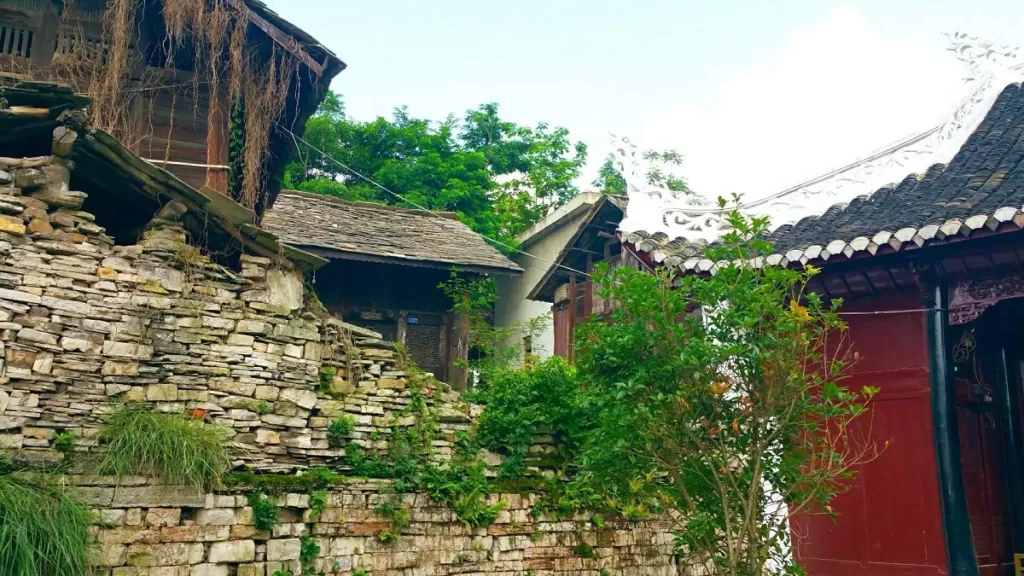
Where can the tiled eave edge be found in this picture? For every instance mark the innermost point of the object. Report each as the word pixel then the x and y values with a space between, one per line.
pixel 1006 219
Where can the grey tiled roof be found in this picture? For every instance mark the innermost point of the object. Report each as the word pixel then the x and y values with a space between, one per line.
pixel 980 190
pixel 360 230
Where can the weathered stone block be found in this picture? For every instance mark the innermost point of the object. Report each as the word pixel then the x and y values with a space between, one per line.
pixel 64 305
pixel 215 517
pixel 115 368
pixel 110 555
pixel 165 554
pixel 158 497
pixel 234 551
pixel 11 441
pixel 267 392
pixel 37 337
pixel 297 440
pixel 264 436
pixel 252 570
pixel 163 516
pixel 19 296
pixel 128 350
pixel 40 226
pixel 12 225
pixel 303 398
pixel 75 344
pixel 240 340
pixel 251 327
pixel 281 550
pixel 162 393
pixel 95 495
pixel 232 387
pixel 277 420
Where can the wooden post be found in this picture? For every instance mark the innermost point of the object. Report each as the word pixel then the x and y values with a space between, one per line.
pixel 458 354
pixel 572 314
pixel 63 140
pixel 588 289
pixel 46 38
pixel 217 141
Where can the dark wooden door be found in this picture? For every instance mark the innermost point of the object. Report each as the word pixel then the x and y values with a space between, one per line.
pixel 981 453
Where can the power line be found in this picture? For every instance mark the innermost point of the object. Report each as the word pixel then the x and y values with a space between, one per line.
pixel 417 206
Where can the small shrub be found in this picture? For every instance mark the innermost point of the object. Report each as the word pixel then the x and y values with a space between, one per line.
pixel 283 572
pixel 317 503
pixel 360 572
pixel 264 512
pixel 464 488
pixel 178 450
pixel 584 551
pixel 64 442
pixel 339 429
pixel 261 407
pixel 321 477
pixel 397 515
pixel 308 550
pixel 43 529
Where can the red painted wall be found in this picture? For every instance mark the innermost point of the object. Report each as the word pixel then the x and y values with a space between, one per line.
pixel 890 522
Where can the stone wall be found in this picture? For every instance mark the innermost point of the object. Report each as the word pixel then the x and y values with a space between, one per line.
pixel 153 530
pixel 86 324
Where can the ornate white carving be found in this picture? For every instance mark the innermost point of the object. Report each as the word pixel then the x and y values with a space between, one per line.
pixel 989 69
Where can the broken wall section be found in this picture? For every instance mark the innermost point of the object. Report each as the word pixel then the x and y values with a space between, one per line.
pixel 86 324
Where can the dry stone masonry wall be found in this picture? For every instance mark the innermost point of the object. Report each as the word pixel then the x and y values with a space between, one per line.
pixel 86 324
pixel 150 530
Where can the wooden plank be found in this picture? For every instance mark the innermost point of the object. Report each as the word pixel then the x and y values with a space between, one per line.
pixel 227 208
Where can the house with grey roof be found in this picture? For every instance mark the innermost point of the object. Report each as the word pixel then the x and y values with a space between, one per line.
pixel 386 266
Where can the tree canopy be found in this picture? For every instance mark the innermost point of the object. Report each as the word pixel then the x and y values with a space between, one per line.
pixel 499 176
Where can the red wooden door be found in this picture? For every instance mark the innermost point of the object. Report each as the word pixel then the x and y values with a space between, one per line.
pixel 890 522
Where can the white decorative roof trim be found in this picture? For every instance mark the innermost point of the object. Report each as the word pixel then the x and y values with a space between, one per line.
pixel 655 209
pixel 1007 218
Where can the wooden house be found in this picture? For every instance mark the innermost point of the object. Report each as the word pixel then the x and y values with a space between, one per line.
pixel 386 268
pixel 172 112
pixel 559 251
pixel 931 275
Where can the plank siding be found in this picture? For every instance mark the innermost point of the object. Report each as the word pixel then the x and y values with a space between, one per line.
pixel 174 127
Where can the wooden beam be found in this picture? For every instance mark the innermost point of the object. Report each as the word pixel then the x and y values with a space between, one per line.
pixel 277 35
pixel 588 252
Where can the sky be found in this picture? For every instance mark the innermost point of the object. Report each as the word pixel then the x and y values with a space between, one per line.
pixel 757 95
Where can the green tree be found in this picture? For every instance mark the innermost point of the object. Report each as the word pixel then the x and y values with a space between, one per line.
pixel 661 171
pixel 500 177
pixel 609 180
pixel 721 403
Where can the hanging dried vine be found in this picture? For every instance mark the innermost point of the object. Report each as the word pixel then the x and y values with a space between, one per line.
pixel 254 80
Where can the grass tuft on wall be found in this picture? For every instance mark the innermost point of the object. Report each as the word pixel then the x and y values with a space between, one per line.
pixel 44 530
pixel 173 447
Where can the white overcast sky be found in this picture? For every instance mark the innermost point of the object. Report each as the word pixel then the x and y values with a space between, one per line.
pixel 757 95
